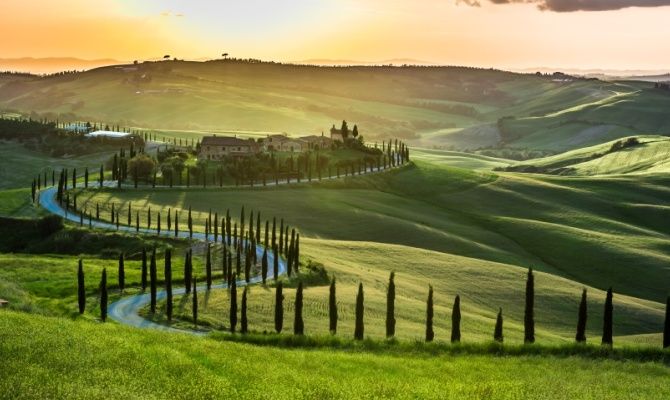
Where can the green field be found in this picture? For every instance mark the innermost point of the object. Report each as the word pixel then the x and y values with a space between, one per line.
pixel 49 357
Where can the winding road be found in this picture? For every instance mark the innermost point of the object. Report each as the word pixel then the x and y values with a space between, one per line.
pixel 127 309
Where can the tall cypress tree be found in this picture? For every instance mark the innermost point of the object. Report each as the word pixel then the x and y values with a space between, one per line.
pixel 264 265
pixel 666 329
pixel 244 323
pixel 298 323
pixel 195 302
pixel 528 319
pixel 296 254
pixel 187 271
pixel 607 319
pixel 81 288
pixel 274 232
pixel 208 267
pixel 332 307
pixel 430 333
pixel 233 304
pixel 144 269
pixel 456 321
pixel 498 332
pixel 103 295
pixel 154 278
pixel 279 308
pixel 390 307
pixel 359 330
pixel 122 273
pixel 190 223
pixel 168 284
pixel 275 263
pixel 580 337
pixel 258 227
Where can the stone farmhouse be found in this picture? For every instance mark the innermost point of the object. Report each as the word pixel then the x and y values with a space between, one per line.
pixel 218 147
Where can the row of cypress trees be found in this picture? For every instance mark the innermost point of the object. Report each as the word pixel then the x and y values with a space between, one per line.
pixel 299 326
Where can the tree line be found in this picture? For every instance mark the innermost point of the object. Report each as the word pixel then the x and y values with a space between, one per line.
pixel 359 326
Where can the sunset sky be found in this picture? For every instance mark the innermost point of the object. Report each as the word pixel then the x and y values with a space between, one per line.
pixel 500 33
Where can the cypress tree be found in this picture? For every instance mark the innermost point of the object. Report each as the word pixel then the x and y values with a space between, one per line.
pixel 238 261
pixel 176 223
pixel 275 263
pixel 390 307
pixel 528 319
pixel 122 273
pixel 130 214
pixel 244 324
pixel 208 267
pixel 188 271
pixel 264 265
pixel 169 220
pixel 86 178
pixel 233 304
pixel 296 254
pixel 607 319
pixel 168 284
pixel 274 232
pixel 154 278
pixel 666 330
pixel 258 227
pixel 267 233
pixel 144 269
pixel 137 221
pixel 247 264
pixel 456 321
pixel 103 295
pixel 279 308
pixel 580 337
pixel 430 334
pixel 190 223
pixel 149 218
pixel 216 227
pixel 332 307
pixel 359 330
pixel 158 224
pixel 281 235
pixel 195 302
pixel 81 288
pixel 298 323
pixel 498 332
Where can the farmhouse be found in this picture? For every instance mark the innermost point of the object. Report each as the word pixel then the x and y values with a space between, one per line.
pixel 318 142
pixel 217 147
pixel 336 134
pixel 273 142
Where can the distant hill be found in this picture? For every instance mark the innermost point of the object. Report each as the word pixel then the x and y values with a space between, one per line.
pixel 433 106
pixel 52 64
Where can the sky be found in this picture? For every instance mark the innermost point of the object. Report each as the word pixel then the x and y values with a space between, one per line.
pixel 485 33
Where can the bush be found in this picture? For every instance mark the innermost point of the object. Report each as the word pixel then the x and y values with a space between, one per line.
pixel 49 225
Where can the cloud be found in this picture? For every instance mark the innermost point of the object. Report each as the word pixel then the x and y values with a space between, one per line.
pixel 576 5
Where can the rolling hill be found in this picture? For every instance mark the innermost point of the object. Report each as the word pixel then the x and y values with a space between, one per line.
pixel 450 107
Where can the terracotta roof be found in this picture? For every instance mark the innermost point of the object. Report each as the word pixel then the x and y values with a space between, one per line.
pixel 226 141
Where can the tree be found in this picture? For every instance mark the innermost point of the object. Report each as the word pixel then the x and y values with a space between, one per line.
pixel 430 334
pixel 528 319
pixel 354 132
pixel 456 321
pixel 190 223
pixel 81 288
pixel 208 267
pixel 168 284
pixel 244 324
pixel 607 319
pixel 195 302
pixel 122 273
pixel 498 332
pixel 666 330
pixel 359 330
pixel 275 263
pixel 233 304
pixel 101 176
pixel 153 277
pixel 103 295
pixel 264 265
pixel 296 254
pixel 279 308
pixel 188 271
pixel 580 337
pixel 332 307
pixel 141 167
pixel 298 323
pixel 390 307
pixel 344 130
pixel 144 269
pixel 86 178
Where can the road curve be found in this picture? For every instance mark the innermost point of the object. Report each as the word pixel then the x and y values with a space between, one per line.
pixel 127 309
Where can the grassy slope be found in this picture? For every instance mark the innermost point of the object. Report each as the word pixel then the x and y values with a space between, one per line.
pixel 595 231
pixel 19 165
pixel 46 357
pixel 652 156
